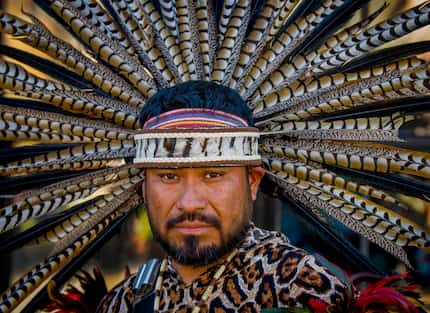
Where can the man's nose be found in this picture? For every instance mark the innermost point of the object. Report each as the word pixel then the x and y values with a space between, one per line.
pixel 192 198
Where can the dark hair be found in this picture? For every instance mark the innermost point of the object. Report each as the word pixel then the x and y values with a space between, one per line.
pixel 196 94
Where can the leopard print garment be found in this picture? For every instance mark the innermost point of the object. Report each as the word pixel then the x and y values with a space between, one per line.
pixel 266 272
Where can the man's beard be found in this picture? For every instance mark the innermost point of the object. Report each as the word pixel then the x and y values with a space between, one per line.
pixel 191 253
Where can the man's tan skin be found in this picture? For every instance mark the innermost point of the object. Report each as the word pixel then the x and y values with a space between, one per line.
pixel 222 195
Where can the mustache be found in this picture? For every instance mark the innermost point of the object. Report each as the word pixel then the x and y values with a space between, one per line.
pixel 194 216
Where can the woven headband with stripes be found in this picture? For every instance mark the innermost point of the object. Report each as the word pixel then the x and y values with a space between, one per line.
pixel 196 138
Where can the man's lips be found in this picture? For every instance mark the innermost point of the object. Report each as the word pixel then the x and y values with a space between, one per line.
pixel 194 227
pixel 198 219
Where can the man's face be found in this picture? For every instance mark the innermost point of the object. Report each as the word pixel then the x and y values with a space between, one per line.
pixel 198 214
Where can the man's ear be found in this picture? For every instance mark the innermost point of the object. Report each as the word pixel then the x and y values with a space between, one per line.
pixel 255 175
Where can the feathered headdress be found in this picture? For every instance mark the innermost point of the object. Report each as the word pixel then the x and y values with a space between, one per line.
pixel 334 104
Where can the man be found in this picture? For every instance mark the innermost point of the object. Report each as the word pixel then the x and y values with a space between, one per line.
pixel 202 174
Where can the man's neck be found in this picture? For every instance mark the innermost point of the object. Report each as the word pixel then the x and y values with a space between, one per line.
pixel 190 273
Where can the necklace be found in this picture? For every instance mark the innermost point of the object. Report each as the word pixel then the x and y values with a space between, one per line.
pixel 206 294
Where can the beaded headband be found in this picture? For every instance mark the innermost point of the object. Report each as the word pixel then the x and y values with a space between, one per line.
pixel 196 138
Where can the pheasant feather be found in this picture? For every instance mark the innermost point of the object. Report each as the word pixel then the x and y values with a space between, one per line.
pixel 39 202
pixel 314 172
pixel 315 199
pixel 77 158
pixel 51 127
pixel 38 275
pixel 228 53
pixel 375 36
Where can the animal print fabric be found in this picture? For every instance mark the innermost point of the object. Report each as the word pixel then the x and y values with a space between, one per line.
pixel 266 272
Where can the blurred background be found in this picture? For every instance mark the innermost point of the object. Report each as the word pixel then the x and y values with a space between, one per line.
pixel 134 245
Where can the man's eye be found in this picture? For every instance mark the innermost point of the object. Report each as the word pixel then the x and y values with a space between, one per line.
pixel 213 174
pixel 168 176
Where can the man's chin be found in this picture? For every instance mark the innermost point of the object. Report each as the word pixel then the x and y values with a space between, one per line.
pixel 193 251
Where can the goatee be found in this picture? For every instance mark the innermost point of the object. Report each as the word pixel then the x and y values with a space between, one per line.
pixel 191 253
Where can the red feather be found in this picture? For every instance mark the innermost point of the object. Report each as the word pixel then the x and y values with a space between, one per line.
pixel 75 301
pixel 318 305
pixel 386 295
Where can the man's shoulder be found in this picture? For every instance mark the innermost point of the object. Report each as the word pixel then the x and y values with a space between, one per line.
pixel 270 251
pixel 267 242
pixel 290 274
pixel 276 249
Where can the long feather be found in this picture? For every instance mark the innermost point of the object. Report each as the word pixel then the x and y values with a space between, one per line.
pixel 377 121
pixel 317 199
pixel 78 224
pixel 52 69
pixel 44 200
pixel 399 184
pixel 345 252
pixel 105 48
pixel 189 38
pixel 379 129
pixel 385 56
pixel 373 90
pixel 255 41
pixel 100 75
pixel 373 158
pixel 282 46
pixel 38 275
pixel 228 54
pixel 345 90
pixel 207 33
pixel 226 11
pixel 291 12
pixel 384 218
pixel 25 124
pixel 82 103
pixel 289 71
pixel 10 154
pixel 11 241
pixel 41 299
pixel 329 25
pixel 97 16
pixel 411 105
pixel 149 55
pixel 86 156
pixel 373 37
pixel 14 184
pixel 169 15
pixel 281 15
pixel 167 42
pixel 15 77
pixel 315 172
